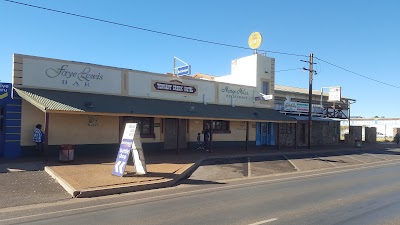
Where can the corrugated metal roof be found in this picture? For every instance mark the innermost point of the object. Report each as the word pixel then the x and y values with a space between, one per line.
pixel 51 100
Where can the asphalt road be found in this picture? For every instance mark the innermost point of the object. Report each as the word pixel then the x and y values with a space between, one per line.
pixel 28 183
pixel 367 194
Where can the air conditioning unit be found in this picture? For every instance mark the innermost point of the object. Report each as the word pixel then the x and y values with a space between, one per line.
pixel 267 97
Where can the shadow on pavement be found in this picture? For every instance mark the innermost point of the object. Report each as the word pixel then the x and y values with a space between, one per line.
pixel 199 182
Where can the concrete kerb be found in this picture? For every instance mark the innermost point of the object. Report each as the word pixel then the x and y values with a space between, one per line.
pixel 119 189
pixel 290 161
pixel 180 174
pixel 72 191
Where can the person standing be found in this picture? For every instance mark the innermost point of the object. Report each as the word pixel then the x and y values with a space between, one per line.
pixel 207 140
pixel 199 145
pixel 38 138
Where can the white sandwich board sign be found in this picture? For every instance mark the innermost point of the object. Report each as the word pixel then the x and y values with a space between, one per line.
pixel 130 142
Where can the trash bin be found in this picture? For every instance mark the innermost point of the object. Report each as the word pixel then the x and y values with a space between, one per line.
pixel 66 153
pixel 358 143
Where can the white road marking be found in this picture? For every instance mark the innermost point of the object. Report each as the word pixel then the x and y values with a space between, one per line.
pixel 207 190
pixel 265 221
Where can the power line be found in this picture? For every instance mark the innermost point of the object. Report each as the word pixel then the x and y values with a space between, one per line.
pixel 347 70
pixel 191 38
pixel 149 30
pixel 288 70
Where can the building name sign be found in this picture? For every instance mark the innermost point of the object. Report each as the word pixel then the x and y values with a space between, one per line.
pixel 240 93
pixel 66 75
pixel 82 77
pixel 160 86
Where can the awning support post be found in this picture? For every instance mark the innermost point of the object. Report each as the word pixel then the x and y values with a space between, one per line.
pixel 177 136
pixel 46 134
pixel 247 134
pixel 295 136
pixel 278 146
pixel 211 134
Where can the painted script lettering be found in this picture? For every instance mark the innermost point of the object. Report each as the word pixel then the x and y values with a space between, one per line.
pixel 79 78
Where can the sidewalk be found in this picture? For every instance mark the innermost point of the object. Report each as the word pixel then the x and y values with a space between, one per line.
pixel 92 177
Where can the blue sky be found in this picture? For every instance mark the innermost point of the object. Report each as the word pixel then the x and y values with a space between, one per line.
pixel 361 36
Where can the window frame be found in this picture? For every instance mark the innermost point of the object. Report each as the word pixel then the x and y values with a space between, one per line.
pixel 224 127
pixel 265 85
pixel 140 121
pixel 285 128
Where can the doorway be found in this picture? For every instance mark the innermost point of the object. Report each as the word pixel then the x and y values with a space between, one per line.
pixel 302 134
pixel 171 132
pixel 265 134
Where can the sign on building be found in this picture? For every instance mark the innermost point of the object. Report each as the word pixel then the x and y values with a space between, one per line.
pixel 130 142
pixel 5 92
pixel 295 106
pixel 183 70
pixel 177 88
pixel 334 94
pixel 66 75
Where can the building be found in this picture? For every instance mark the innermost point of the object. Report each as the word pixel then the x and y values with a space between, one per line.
pixel 326 114
pixel 87 105
pixel 10 122
pixel 385 127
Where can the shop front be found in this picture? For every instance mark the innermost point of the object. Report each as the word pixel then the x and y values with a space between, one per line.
pixel 265 134
pixel 170 126
pixel 87 105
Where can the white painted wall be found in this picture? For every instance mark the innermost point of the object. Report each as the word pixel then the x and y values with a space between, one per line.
pixel 385 126
pixel 247 72
pixel 239 95
pixel 244 70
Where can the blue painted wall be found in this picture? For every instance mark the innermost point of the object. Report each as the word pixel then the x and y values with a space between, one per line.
pixel 10 132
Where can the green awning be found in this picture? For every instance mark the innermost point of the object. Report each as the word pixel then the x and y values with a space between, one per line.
pixel 76 102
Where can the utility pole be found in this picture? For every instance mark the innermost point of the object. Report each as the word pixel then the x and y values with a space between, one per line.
pixel 311 71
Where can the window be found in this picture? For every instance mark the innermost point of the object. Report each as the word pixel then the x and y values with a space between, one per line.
pixel 219 126
pixel 265 87
pixel 285 128
pixel 146 125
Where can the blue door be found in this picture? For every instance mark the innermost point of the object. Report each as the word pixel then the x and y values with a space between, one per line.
pixel 265 134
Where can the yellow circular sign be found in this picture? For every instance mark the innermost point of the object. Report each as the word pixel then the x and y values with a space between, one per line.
pixel 255 40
